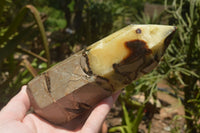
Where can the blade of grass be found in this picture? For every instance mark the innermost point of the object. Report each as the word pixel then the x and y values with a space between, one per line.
pixel 126 116
pixel 118 128
pixel 138 119
pixel 42 31
pixel 28 65
pixel 31 53
pixel 18 20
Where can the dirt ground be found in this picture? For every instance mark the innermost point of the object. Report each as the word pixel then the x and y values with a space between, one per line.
pixel 168 117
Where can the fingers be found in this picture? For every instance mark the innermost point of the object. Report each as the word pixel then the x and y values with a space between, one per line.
pixel 116 95
pixel 98 115
pixel 18 106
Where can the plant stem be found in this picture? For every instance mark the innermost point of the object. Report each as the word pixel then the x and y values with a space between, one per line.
pixel 190 81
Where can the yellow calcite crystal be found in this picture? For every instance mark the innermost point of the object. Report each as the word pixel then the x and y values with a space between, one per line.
pixel 129 51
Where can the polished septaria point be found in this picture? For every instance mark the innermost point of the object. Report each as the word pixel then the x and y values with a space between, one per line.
pixel 78 83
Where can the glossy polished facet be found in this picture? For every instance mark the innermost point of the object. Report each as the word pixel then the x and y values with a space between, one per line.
pixel 78 83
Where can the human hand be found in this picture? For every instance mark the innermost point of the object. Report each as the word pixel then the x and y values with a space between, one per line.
pixel 14 117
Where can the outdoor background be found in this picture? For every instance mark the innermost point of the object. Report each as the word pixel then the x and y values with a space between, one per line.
pixel 36 34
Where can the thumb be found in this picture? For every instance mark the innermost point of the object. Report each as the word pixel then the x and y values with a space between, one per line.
pixel 17 107
pixel 98 115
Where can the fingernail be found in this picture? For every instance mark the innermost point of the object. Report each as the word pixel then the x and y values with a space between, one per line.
pixel 23 89
pixel 116 95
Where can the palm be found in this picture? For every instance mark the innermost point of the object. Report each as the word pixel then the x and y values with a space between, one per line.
pixel 13 117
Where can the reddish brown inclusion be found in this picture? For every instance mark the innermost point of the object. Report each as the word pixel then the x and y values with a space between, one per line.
pixel 136 48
